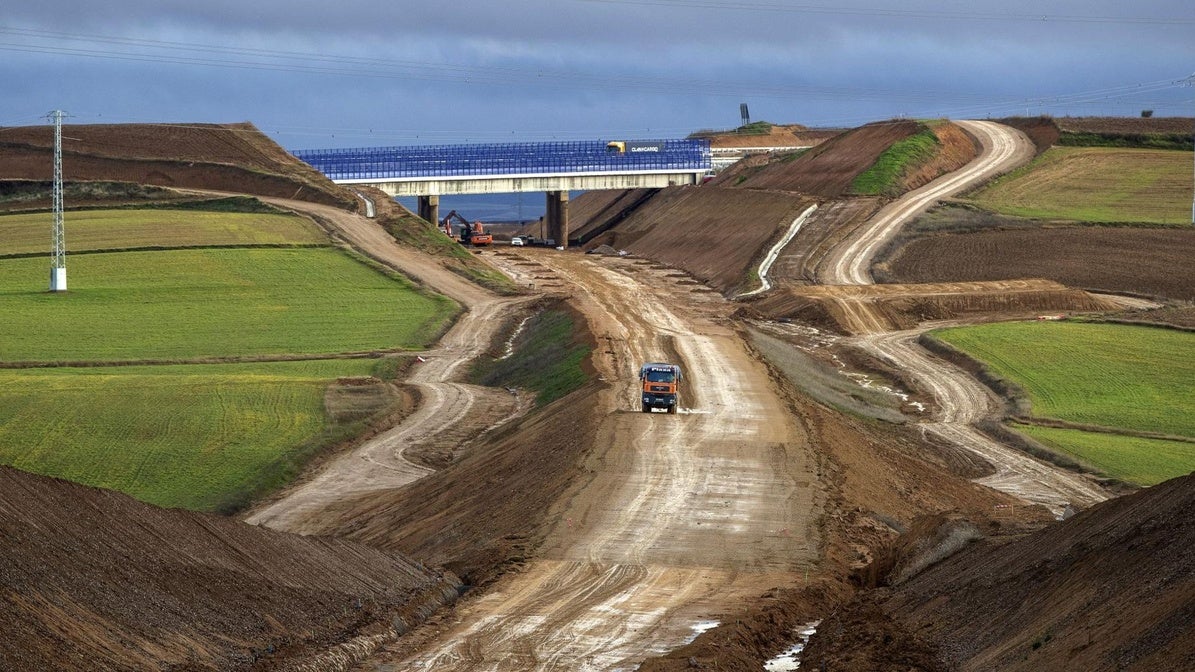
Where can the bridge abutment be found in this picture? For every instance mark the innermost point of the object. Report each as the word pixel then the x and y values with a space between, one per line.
pixel 429 209
pixel 557 217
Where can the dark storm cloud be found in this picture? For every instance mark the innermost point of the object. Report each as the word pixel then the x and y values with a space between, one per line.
pixel 541 68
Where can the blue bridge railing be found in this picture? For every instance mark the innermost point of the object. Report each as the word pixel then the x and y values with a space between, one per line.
pixel 509 159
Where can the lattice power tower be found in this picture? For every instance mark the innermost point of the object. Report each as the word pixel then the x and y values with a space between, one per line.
pixel 58 253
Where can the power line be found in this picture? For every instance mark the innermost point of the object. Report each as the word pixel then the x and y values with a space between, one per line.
pixel 898 13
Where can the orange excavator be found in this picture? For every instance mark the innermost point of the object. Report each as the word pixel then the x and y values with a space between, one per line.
pixel 470 234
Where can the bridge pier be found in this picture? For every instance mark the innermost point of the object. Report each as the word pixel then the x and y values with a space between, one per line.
pixel 557 217
pixel 429 209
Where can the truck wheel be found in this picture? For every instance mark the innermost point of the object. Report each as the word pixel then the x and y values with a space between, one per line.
pixel 672 409
pixel 646 408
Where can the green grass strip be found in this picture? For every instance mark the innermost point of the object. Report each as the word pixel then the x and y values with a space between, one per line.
pixel 121 229
pixel 1132 459
pixel 203 437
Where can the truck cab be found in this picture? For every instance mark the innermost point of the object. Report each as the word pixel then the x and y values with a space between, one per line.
pixel 660 385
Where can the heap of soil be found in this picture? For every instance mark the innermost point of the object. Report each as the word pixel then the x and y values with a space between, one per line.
pixel 93 579
pixel 1109 589
pixel 220 157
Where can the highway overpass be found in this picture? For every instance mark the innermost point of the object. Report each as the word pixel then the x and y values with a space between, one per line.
pixel 431 171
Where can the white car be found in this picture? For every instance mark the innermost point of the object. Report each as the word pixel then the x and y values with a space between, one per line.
pixel 517 241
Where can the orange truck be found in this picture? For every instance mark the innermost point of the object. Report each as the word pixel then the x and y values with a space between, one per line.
pixel 660 385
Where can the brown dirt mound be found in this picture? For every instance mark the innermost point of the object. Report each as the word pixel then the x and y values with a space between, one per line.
pixel 827 170
pixel 957 150
pixel 93 575
pixel 714 234
pixel 232 157
pixel 1041 130
pixel 1110 589
pixel 1152 262
pixel 898 307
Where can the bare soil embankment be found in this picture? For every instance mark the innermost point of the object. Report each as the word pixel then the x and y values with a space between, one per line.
pixel 218 157
pixel 829 169
pixel 714 234
pixel 1109 589
pixel 93 579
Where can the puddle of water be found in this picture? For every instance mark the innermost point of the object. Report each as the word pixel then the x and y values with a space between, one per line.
pixel 790 658
pixel 700 627
pixel 865 381
pixel 510 342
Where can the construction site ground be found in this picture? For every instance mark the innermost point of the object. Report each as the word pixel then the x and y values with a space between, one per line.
pixel 597 537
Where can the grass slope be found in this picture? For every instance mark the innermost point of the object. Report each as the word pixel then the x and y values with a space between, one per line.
pixel 1135 378
pixel 116 229
pixel 201 437
pixel 1099 185
pixel 210 303
pixel 545 355
pixel 884 177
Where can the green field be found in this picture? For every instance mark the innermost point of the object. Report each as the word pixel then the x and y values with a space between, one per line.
pixel 1128 458
pixel 225 285
pixel 1134 378
pixel 120 229
pixel 185 304
pixel 1098 185
pixel 196 436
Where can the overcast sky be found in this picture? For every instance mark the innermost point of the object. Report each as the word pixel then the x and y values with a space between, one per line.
pixel 353 73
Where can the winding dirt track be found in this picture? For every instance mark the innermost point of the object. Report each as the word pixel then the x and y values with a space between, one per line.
pixel 686 515
pixel 379 463
pixel 961 398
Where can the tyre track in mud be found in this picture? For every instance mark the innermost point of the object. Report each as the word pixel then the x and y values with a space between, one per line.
pixel 687 515
pixel 961 399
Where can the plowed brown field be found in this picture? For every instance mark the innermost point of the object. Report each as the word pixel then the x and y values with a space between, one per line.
pixel 1153 262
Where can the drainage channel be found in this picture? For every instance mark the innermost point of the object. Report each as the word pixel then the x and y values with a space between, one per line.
pixel 790 658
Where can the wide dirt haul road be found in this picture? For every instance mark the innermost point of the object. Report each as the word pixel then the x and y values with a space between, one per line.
pixel 686 515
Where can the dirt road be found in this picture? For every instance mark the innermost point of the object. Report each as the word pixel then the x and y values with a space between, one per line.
pixel 965 401
pixel 685 516
pixel 962 399
pixel 446 405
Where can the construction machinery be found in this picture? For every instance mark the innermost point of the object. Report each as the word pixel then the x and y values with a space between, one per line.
pixel 660 385
pixel 470 234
